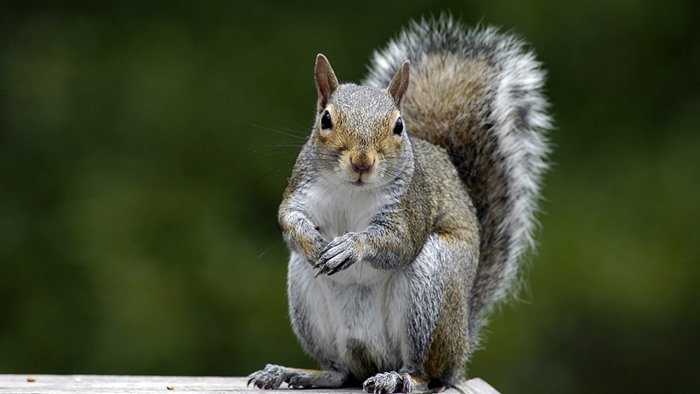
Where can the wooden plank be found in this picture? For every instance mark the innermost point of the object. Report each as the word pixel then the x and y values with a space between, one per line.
pixel 61 384
pixel 474 386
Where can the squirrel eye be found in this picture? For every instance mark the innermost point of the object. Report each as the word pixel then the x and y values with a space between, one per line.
pixel 326 122
pixel 398 127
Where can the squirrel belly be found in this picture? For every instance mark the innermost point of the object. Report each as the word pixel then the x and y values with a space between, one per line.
pixel 355 327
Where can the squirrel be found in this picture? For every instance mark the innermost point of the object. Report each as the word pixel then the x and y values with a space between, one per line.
pixel 410 207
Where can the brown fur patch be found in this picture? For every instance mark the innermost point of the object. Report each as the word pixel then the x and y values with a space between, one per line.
pixel 450 330
pixel 452 88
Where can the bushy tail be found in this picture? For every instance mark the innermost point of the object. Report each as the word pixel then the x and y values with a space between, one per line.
pixel 477 93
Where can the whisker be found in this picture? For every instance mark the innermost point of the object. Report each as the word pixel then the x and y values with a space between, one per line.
pixel 286 145
pixel 301 126
pixel 288 134
pixel 265 251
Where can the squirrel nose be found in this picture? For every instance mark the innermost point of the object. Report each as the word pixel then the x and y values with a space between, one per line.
pixel 362 164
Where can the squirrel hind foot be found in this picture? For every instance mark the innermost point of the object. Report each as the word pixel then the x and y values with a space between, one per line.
pixel 272 377
pixel 393 382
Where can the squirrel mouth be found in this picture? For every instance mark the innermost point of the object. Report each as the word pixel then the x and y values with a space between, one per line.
pixel 359 181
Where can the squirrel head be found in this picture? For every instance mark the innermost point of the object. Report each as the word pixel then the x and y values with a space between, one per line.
pixel 359 131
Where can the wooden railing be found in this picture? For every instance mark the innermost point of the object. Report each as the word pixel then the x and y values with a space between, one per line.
pixel 170 384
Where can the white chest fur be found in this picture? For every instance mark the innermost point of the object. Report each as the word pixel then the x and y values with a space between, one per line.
pixel 340 209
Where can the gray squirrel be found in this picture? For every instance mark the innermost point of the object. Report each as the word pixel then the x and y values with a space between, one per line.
pixel 410 207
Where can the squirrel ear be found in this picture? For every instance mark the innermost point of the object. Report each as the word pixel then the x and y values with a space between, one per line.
pixel 399 85
pixel 326 82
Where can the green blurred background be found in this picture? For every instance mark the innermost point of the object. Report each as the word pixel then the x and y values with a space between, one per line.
pixel 144 147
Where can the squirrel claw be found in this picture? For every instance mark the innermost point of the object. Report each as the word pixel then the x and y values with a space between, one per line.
pixel 339 255
pixel 326 269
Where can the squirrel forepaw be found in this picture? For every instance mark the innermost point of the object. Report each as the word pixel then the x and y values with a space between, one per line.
pixel 340 254
pixel 388 382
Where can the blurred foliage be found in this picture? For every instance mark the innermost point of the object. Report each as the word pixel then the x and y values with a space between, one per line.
pixel 144 147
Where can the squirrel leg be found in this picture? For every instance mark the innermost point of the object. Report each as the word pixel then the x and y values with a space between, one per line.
pixel 455 255
pixel 434 324
pixel 273 376
pixel 300 234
